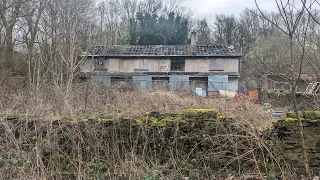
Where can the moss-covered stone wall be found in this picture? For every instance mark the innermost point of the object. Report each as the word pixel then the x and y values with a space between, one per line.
pixel 288 138
pixel 198 143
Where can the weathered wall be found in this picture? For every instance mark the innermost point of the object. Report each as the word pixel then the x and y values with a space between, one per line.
pixel 149 65
pixel 87 66
pixel 206 65
pixel 288 137
pixel 113 65
pixel 164 65
pixel 140 65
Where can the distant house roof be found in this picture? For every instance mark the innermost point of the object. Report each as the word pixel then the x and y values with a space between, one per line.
pixel 161 51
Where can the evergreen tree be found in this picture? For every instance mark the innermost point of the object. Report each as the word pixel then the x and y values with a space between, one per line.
pixel 154 29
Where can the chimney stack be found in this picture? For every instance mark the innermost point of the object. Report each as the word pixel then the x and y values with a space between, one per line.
pixel 193 38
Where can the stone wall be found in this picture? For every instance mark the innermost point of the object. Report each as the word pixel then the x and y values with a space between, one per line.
pixel 190 144
pixel 287 136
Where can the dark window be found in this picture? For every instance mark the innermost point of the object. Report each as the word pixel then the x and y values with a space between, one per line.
pixel 177 64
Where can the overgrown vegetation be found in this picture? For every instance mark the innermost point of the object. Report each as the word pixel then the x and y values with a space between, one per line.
pixel 104 133
pixel 98 100
pixel 53 127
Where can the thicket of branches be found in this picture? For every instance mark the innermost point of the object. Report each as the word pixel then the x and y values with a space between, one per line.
pixel 41 39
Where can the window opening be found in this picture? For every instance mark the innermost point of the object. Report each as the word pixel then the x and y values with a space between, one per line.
pixel 177 64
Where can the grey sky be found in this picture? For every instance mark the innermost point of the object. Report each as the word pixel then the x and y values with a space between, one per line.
pixel 208 8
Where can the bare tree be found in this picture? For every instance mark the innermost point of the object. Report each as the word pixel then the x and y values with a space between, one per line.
pixel 226 29
pixel 32 15
pixel 291 17
pixel 63 32
pixel 204 33
pixel 10 11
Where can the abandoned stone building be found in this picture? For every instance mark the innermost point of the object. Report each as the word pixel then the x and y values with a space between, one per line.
pixel 209 68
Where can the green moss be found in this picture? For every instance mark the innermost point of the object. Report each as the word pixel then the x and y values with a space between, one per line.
pixel 200 112
pixel 183 121
pixel 162 120
pixel 162 123
pixel 154 121
pixel 157 122
pixel 314 121
pixel 105 120
pixel 79 119
pixel 294 119
pixel 305 114
pixel 139 122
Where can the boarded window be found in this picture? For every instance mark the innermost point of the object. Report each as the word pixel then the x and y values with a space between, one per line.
pixel 216 66
pixel 177 64
pixel 100 65
pixel 218 82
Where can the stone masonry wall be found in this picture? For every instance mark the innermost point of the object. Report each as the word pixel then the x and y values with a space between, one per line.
pixel 287 134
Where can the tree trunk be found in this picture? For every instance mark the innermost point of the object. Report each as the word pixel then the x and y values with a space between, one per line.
pixel 8 58
pixel 295 104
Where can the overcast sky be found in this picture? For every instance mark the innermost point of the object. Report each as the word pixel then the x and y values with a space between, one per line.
pixel 208 8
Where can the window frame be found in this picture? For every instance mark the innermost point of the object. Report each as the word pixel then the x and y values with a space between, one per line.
pixel 177 64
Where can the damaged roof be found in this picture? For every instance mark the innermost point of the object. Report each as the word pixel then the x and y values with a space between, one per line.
pixel 161 51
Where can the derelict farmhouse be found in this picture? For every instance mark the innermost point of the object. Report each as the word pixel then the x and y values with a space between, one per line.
pixel 210 68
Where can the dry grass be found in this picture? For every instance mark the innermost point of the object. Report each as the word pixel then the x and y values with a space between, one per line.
pixel 90 100
pixel 35 147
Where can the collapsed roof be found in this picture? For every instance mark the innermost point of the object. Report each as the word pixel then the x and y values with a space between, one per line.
pixel 162 51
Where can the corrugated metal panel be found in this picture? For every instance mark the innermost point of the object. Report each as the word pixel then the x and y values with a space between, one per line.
pixel 144 82
pixel 233 84
pixel 102 79
pixel 179 81
pixel 217 82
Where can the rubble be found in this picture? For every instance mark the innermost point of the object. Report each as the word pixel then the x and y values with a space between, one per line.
pixel 240 98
